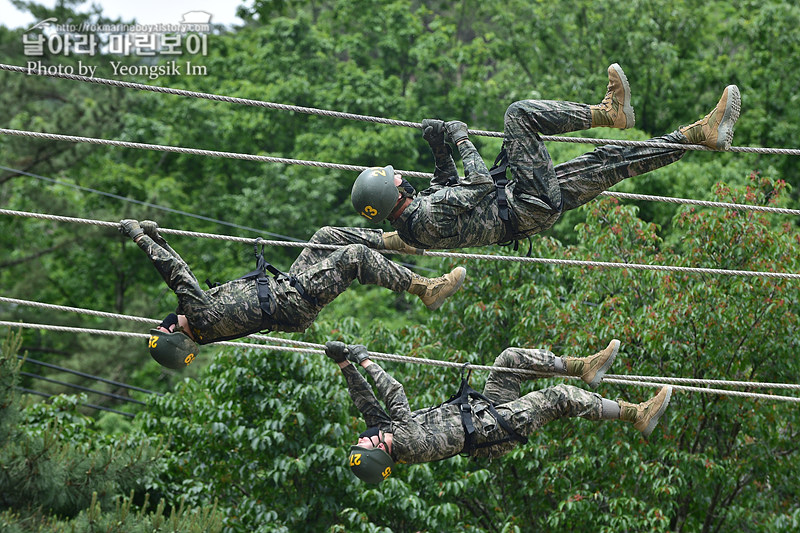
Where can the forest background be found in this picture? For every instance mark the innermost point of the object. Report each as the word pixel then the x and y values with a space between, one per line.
pixel 253 440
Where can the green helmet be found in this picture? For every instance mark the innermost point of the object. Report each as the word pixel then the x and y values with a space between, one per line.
pixel 370 465
pixel 172 350
pixel 374 193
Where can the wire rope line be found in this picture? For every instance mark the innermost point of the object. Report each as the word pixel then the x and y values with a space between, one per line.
pixel 145 204
pixel 365 118
pixel 609 378
pixel 89 405
pixel 456 255
pixel 117 316
pixel 170 210
pixel 706 390
pixel 701 203
pixel 190 151
pixel 82 388
pixel 88 376
pixel 268 338
pixel 355 168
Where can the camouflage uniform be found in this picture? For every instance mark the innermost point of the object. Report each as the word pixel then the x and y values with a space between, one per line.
pixel 233 309
pixel 437 433
pixel 467 214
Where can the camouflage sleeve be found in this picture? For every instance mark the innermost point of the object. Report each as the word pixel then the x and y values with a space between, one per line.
pixel 173 269
pixel 445 166
pixel 391 392
pixel 364 398
pixel 475 170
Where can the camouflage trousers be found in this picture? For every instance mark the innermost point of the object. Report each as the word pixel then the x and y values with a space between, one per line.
pixel 528 413
pixel 538 191
pixel 327 273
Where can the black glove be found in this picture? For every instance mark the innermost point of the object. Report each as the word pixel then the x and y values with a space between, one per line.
pixel 150 228
pixel 357 353
pixel 433 131
pixel 456 131
pixel 336 350
pixel 131 228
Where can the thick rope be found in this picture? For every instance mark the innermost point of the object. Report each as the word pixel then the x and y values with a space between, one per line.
pixel 405 359
pixel 365 118
pixel 358 168
pixel 456 255
pixel 316 348
pixel 701 203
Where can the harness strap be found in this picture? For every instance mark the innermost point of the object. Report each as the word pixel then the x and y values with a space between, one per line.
pixel 498 173
pixel 262 265
pixel 260 273
pixel 461 398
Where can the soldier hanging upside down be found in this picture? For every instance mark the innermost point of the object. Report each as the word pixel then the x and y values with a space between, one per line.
pixel 479 425
pixel 286 302
pixel 477 211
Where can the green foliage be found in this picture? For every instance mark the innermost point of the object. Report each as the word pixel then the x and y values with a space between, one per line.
pixel 265 435
pixel 125 518
pixel 57 472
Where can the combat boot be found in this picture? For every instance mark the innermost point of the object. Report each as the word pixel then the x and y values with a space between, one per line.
pixel 615 111
pixel 645 415
pixel 433 292
pixel 591 369
pixel 715 130
pixel 392 241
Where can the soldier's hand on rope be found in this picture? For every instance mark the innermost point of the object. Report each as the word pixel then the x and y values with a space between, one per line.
pixel 456 131
pixel 357 353
pixel 131 228
pixel 433 131
pixel 336 350
pixel 150 228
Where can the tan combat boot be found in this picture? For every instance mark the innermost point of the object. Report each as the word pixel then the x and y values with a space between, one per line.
pixel 715 130
pixel 392 241
pixel 433 292
pixel 645 415
pixel 615 111
pixel 591 369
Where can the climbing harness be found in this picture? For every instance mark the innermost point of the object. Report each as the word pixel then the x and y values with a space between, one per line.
pixel 266 299
pixel 461 399
pixel 498 173
pixel 260 273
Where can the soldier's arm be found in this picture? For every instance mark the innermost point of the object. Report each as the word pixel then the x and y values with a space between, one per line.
pixel 475 170
pixel 363 397
pixel 391 392
pixel 173 269
pixel 445 166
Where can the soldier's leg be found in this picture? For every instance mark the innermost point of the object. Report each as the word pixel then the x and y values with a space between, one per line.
pixel 331 276
pixel 373 238
pixel 328 278
pixel 530 163
pixel 583 178
pixel 537 408
pixel 503 387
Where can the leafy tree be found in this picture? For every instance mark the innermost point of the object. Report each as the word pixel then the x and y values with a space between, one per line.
pixel 58 473
pixel 266 434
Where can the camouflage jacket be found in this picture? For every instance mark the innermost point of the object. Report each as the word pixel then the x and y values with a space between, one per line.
pixel 457 216
pixel 423 435
pixel 230 310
